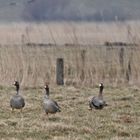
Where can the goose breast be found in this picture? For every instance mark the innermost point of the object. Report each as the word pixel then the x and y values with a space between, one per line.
pixel 17 102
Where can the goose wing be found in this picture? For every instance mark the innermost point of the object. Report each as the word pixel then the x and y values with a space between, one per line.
pixel 56 104
pixel 97 103
pixel 51 105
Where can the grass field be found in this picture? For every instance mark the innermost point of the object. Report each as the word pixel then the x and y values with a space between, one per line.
pixel 83 66
pixel 70 32
pixel 120 120
pixel 87 61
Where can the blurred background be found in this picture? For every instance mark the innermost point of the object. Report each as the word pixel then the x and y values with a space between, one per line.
pixel 70 10
pixel 98 39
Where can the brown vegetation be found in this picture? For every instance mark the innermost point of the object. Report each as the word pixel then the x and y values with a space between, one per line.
pixel 28 52
pixel 87 62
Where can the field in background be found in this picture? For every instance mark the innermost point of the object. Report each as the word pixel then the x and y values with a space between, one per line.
pixel 60 33
pixel 28 53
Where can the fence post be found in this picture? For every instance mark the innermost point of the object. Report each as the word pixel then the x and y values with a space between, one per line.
pixel 121 59
pixel 83 59
pixel 60 71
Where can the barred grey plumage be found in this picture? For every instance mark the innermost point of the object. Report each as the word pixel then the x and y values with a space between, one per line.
pixel 49 105
pixel 17 101
pixel 98 102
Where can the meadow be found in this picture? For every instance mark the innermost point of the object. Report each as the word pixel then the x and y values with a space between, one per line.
pixel 28 53
pixel 120 120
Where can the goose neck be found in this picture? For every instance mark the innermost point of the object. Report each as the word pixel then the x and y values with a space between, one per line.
pixel 100 96
pixel 17 89
pixel 47 92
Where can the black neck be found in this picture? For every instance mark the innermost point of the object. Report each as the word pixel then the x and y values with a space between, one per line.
pixel 101 90
pixel 47 91
pixel 100 93
pixel 17 88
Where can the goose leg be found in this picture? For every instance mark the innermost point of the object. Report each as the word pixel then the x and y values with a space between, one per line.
pixel 90 108
pixel 12 109
pixel 47 114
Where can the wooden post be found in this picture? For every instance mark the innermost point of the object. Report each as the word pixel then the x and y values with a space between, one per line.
pixel 60 71
pixel 121 59
pixel 83 59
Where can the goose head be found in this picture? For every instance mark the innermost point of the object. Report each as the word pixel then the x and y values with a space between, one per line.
pixel 16 84
pixel 101 86
pixel 47 89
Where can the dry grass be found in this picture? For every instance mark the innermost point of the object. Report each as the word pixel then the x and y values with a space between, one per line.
pixel 85 66
pixel 118 121
pixel 86 63
pixel 69 32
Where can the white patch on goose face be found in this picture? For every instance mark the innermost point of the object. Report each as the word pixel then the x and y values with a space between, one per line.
pixel 100 85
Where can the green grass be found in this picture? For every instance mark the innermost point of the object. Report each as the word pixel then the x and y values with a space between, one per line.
pixel 119 120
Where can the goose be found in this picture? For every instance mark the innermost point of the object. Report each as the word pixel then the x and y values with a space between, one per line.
pixel 17 101
pixel 49 105
pixel 98 102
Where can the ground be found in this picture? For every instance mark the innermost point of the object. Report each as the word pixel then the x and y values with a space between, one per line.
pixel 120 120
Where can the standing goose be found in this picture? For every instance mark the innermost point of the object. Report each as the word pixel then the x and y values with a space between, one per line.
pixel 98 102
pixel 17 101
pixel 49 105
